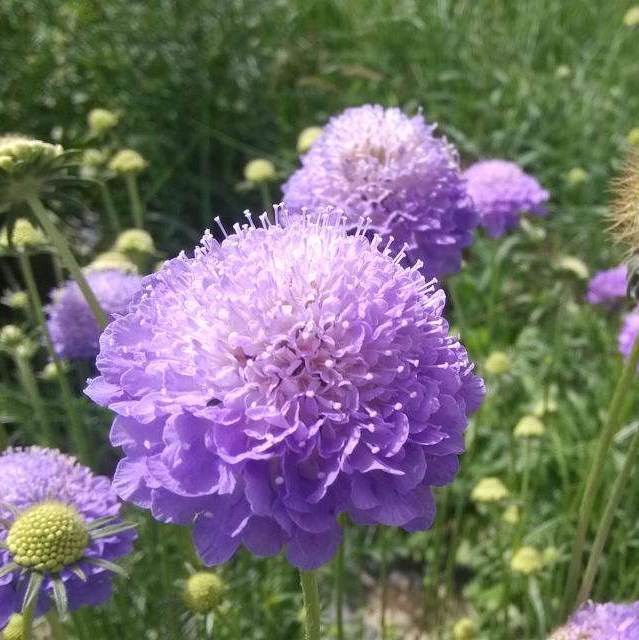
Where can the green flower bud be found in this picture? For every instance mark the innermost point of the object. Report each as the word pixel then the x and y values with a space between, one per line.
pixel 127 161
pixel 527 560
pixel 563 71
pixel 631 17
pixel 24 236
pixel 576 176
pixel 489 490
pixel 307 137
pixel 134 241
pixel 511 514
pixel 551 555
pixel 16 299
pixel 101 120
pixel 633 137
pixel 50 371
pixel 94 158
pixel 11 336
pixel 47 537
pixel 203 592
pixel 464 629
pixel 111 260
pixel 260 170
pixel 497 363
pixel 529 427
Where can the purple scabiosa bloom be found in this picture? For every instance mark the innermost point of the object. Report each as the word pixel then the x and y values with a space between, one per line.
pixel 60 526
pixel 383 165
pixel 74 329
pixel 609 286
pixel 601 622
pixel 628 333
pixel 501 192
pixel 275 380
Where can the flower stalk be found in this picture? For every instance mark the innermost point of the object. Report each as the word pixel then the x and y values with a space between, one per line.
pixel 134 199
pixel 310 593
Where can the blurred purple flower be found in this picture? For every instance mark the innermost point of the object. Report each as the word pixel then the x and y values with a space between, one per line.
pixel 501 192
pixel 34 477
pixel 384 165
pixel 628 332
pixel 275 380
pixel 74 329
pixel 601 622
pixel 609 286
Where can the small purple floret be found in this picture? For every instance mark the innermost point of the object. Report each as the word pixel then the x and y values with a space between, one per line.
pixel 384 165
pixel 608 287
pixel 628 333
pixel 601 622
pixel 273 381
pixel 74 330
pixel 35 475
pixel 501 192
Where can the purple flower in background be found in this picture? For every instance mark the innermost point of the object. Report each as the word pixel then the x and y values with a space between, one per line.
pixel 275 380
pixel 628 333
pixel 501 192
pixel 384 165
pixel 607 287
pixel 601 622
pixel 59 521
pixel 74 329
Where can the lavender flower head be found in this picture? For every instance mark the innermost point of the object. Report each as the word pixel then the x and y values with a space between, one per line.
pixel 384 165
pixel 39 490
pixel 601 622
pixel 501 192
pixel 74 329
pixel 275 380
pixel 609 286
pixel 628 333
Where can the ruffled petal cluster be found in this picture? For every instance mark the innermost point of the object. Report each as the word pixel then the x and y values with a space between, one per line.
pixel 74 329
pixel 601 622
pixel 385 166
pixel 32 476
pixel 271 382
pixel 501 192
pixel 609 286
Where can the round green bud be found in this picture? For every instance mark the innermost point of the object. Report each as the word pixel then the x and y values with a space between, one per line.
pixel 497 363
pixel 111 260
pixel 576 176
pixel 50 371
pixel 633 137
pixel 94 158
pixel 48 537
pixel 203 592
pixel 511 514
pixel 20 149
pixel 307 137
pixel 11 336
pixel 563 71
pixel 24 236
pixel 551 555
pixel 527 560
pixel 529 427
pixel 13 630
pixel 489 490
pixel 464 629
pixel 136 241
pixel 260 170
pixel 16 299
pixel 101 120
pixel 127 161
pixel 631 17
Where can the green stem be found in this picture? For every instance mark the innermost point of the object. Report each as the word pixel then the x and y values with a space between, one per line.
pixel 134 199
pixel 339 589
pixel 310 593
pixel 495 272
pixel 384 580
pixel 4 438
pixel 62 248
pixel 613 420
pixel 621 483
pixel 109 207
pixel 525 488
pixel 265 195
pixel 28 615
pixel 57 631
pixel 30 386
pixel 77 432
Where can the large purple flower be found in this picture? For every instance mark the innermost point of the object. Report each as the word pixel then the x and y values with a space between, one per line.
pixel 501 192
pixel 609 286
pixel 628 333
pixel 74 329
pixel 40 490
pixel 601 622
pixel 384 165
pixel 286 375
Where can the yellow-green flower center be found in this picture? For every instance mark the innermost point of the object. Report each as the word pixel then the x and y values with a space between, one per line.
pixel 203 592
pixel 48 537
